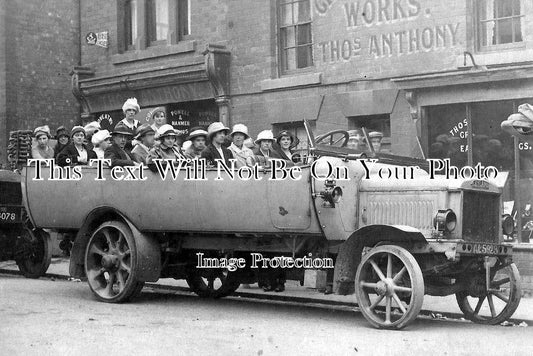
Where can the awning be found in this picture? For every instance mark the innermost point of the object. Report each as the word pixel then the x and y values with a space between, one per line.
pixel 367 102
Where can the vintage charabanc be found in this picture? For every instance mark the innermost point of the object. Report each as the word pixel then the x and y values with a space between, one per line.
pixel 31 248
pixel 392 238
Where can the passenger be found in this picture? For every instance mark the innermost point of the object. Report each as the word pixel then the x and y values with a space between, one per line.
pixel 197 139
pixel 286 142
pixel 130 109
pixel 42 150
pixel 145 141
pixel 62 138
pixel 167 148
pixel 90 129
pixel 355 140
pixel 159 116
pixel 264 153
pixel 215 151
pixel 242 154
pixel 101 140
pixel 375 139
pixel 116 152
pixel 76 152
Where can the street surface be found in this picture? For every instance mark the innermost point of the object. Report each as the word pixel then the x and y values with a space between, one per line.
pixel 47 317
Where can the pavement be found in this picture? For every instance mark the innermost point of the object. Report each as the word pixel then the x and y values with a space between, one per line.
pixel 436 307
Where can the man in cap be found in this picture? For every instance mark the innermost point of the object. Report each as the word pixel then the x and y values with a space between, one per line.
pixel 116 152
pixel 242 154
pixel 264 153
pixel 42 150
pixel 145 139
pixel 101 140
pixel 375 140
pixel 197 137
pixel 215 151
pixel 62 138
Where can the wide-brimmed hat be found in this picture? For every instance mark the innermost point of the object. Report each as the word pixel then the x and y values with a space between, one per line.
pixel 77 129
pixel 265 135
pixel 165 130
pixel 131 103
pixel 240 128
pixel 143 130
pixel 122 129
pixel 61 131
pixel 294 140
pixel 42 130
pixel 214 128
pixel 100 137
pixel 196 132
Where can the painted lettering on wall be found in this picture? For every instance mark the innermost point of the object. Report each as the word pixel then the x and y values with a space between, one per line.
pixel 361 14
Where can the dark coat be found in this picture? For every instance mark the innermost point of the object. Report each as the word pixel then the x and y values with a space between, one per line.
pixel 283 156
pixel 118 156
pixel 211 155
pixel 265 161
pixel 69 156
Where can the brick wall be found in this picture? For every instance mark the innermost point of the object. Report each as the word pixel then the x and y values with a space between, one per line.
pixel 523 257
pixel 41 41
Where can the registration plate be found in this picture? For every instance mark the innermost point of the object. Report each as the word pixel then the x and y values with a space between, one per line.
pixel 484 249
pixel 9 214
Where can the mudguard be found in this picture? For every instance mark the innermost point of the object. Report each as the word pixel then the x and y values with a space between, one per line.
pixel 350 251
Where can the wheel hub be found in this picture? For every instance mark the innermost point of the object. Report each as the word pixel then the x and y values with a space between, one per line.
pixel 385 287
pixel 110 262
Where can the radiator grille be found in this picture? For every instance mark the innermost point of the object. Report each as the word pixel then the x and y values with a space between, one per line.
pixel 413 213
pixel 481 215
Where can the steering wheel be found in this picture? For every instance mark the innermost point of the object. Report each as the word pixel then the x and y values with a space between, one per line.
pixel 338 138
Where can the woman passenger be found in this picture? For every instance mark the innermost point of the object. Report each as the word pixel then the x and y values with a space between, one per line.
pixel 242 154
pixel 264 153
pixel 76 153
pixel 62 138
pixel 197 139
pixel 159 116
pixel 167 149
pixel 42 150
pixel 101 140
pixel 286 142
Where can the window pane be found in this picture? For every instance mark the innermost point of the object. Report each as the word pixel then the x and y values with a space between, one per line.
pixel 289 59
pixel 130 23
pixel 482 10
pixel 305 56
pixel 504 8
pixel 288 37
pixel 285 15
pixel 304 34
pixel 516 7
pixel 302 11
pixel 488 37
pixel 183 17
pixel 157 19
pixel 517 29
pixel 505 31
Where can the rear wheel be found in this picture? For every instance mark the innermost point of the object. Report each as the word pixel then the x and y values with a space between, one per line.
pixel 495 305
pixel 36 246
pixel 390 287
pixel 111 263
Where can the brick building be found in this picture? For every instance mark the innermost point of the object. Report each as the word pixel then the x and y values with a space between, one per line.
pixel 39 45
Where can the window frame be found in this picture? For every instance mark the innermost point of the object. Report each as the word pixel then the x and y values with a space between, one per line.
pixel 142 41
pixel 279 29
pixel 479 33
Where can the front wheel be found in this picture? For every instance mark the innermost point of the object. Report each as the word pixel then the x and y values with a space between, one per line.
pixel 495 305
pixel 36 255
pixel 389 286
pixel 111 263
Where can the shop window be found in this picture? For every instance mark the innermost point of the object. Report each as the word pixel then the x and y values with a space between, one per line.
pixel 295 39
pixel 499 22
pixel 143 23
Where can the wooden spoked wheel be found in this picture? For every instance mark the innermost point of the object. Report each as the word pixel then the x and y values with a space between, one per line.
pixel 389 287
pixel 110 263
pixel 495 305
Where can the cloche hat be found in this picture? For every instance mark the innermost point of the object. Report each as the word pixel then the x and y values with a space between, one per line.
pixel 100 137
pixel 294 140
pixel 165 130
pixel 42 130
pixel 77 129
pixel 265 135
pixel 214 128
pixel 240 128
